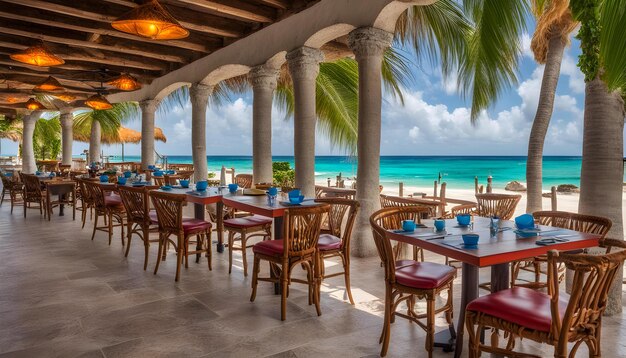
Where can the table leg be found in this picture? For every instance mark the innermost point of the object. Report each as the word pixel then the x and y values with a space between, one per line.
pixel 220 226
pixel 499 277
pixel 61 206
pixel 469 292
pixel 278 235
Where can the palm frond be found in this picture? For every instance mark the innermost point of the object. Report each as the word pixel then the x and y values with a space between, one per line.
pixel 490 64
pixel 396 73
pixel 110 119
pixel 177 98
pixel 613 44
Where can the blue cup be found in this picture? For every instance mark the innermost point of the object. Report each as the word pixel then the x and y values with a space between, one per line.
pixel 202 185
pixel 470 239
pixel 104 178
pixel 127 174
pixel 295 193
pixel 158 173
pixel 525 221
pixel 296 199
pixel 440 224
pixel 184 183
pixel 272 191
pixel 408 225
pixel 232 188
pixel 464 219
pixel 151 167
pixel 121 180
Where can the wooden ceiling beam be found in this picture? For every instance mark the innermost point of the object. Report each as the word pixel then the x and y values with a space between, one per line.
pixel 234 8
pixel 83 14
pixel 87 44
pixel 30 80
pixel 280 4
pixel 101 31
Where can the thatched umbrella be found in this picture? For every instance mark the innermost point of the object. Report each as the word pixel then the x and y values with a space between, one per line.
pixel 124 135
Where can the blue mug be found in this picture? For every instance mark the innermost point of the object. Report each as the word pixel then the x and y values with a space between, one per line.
pixel 296 199
pixel 121 180
pixel 127 174
pixel 232 188
pixel 184 183
pixel 295 193
pixel 202 185
pixel 408 225
pixel 104 178
pixel 440 224
pixel 272 191
pixel 470 239
pixel 464 219
pixel 158 173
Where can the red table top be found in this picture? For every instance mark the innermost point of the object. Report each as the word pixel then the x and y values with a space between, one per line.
pixel 503 248
pixel 257 204
pixel 209 196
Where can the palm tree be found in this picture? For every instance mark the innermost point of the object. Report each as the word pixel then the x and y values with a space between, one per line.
pixel 603 62
pixel 47 138
pixel 10 129
pixel 100 122
pixel 554 25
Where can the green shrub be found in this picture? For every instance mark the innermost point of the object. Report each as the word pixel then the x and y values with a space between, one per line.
pixel 283 175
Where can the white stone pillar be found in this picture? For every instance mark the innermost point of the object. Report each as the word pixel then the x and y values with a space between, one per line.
pixel 368 44
pixel 29 165
pixel 95 147
pixel 263 80
pixel 67 135
pixel 148 108
pixel 304 67
pixel 199 94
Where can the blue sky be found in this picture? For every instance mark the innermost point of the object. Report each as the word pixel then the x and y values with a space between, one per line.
pixel 434 119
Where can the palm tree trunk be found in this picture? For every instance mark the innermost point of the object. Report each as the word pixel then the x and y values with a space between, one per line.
pixel 94 142
pixel 602 173
pixel 541 122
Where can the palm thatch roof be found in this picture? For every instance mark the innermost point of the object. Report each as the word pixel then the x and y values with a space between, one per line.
pixel 123 135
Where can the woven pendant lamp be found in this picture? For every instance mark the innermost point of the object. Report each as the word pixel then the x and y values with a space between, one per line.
pixel 125 82
pixel 150 20
pixel 51 84
pixel 33 105
pixel 37 55
pixel 65 97
pixel 98 101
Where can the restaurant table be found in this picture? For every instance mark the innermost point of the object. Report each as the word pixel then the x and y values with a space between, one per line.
pixel 496 252
pixel 60 188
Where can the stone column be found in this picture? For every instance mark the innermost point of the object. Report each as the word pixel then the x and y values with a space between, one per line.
pixel 304 67
pixel 199 94
pixel 29 165
pixel 95 147
pixel 67 135
pixel 263 80
pixel 368 44
pixel 148 108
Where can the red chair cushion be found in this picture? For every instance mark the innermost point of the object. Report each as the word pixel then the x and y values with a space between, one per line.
pixel 424 275
pixel 112 200
pixel 190 224
pixel 403 263
pixel 519 305
pixel 247 221
pixel 269 247
pixel 328 242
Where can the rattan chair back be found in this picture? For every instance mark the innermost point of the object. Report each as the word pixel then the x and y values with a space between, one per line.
pixel 327 192
pixel 160 181
pixel 169 209
pixel 500 205
pixel 95 193
pixel 301 229
pixel 336 217
pixel 589 224
pixel 244 180
pixel 7 183
pixel 136 202
pixel 32 187
pixel 428 210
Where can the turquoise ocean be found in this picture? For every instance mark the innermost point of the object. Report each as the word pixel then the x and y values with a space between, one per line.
pixel 457 171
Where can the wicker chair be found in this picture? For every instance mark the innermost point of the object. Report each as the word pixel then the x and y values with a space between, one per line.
pixel 244 180
pixel 33 194
pixel 106 205
pixel 301 231
pixel 169 210
pixel 406 280
pixel 426 211
pixel 550 318
pixel 86 200
pixel 335 241
pixel 139 219
pixel 500 205
pixel 242 229
pixel 578 222
pixel 13 187
pixel 159 181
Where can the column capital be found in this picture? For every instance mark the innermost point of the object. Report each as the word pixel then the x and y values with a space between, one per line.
pixel 149 105
pixel 263 76
pixel 369 41
pixel 66 111
pixel 199 93
pixel 67 119
pixel 304 62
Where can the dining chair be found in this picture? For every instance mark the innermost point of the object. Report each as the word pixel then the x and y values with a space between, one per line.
pixel 159 181
pixel 572 221
pixel 335 241
pixel 140 220
pixel 406 280
pixel 13 187
pixel 244 180
pixel 241 229
pixel 553 318
pixel 301 230
pixel 500 205
pixel 66 195
pixel 169 210
pixel 32 193
pixel 86 200
pixel 108 206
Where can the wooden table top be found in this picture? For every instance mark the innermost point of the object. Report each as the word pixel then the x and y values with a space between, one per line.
pixel 209 196
pixel 257 204
pixel 505 247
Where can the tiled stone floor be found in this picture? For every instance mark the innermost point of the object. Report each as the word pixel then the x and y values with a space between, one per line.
pixel 63 295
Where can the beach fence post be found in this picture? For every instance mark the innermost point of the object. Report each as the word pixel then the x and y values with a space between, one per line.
pixel 442 199
pixel 553 198
pixel 328 182
pixel 401 189
pixel 435 191
pixel 223 176
pixel 475 185
pixel 489 184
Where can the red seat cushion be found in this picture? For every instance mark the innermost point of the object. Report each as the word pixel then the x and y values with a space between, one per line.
pixel 269 247
pixel 328 242
pixel 520 305
pixel 190 224
pixel 112 200
pixel 403 263
pixel 247 221
pixel 424 275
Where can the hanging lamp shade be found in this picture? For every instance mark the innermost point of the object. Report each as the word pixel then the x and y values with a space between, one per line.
pixel 150 20
pixel 51 84
pixel 65 97
pixel 33 105
pixel 37 55
pixel 97 101
pixel 125 82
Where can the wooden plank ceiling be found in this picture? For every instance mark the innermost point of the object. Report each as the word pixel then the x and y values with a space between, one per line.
pixel 80 32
